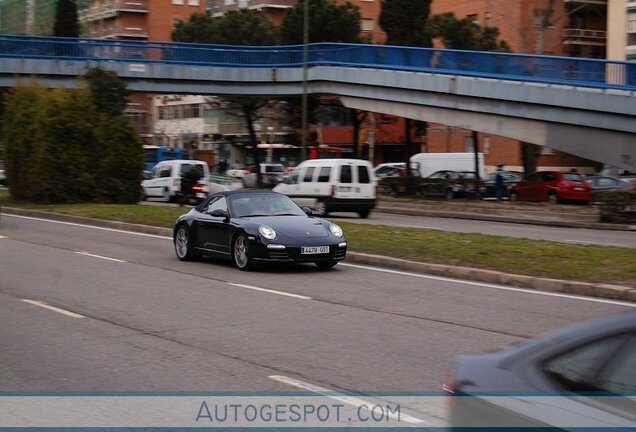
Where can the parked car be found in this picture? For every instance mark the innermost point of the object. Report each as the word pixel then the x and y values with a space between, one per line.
pixel 165 180
pixel 329 185
pixel 449 184
pixel 251 225
pixel 236 171
pixel 552 186
pixel 3 176
pixel 602 184
pixel 510 178
pixel 579 377
pixel 271 175
pixel 394 169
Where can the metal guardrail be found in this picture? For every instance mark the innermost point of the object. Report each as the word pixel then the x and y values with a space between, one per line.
pixel 506 66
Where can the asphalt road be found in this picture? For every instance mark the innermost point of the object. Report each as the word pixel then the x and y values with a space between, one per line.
pixel 536 232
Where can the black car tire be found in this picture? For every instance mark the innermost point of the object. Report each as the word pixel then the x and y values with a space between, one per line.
pixel 553 198
pixel 513 196
pixel 450 194
pixel 364 213
pixel 241 252
pixel 326 265
pixel 320 209
pixel 183 246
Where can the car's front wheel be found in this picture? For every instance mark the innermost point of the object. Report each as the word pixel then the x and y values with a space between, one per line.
pixel 182 244
pixel 241 252
pixel 326 265
pixel 514 196
pixel 364 213
pixel 553 198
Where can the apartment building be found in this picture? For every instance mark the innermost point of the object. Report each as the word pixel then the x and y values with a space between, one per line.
pixel 29 17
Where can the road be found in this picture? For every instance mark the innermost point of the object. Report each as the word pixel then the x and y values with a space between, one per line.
pixel 150 322
pixel 536 232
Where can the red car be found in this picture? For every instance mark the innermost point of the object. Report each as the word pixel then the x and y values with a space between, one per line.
pixel 552 186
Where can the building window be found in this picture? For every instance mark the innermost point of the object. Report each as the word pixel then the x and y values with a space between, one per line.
pixel 177 2
pixel 192 111
pixel 193 2
pixel 487 19
pixel 367 24
pixel 175 22
pixel 485 145
pixel 473 18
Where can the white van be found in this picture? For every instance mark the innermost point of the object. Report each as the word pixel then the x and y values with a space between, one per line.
pixel 432 162
pixel 165 180
pixel 330 185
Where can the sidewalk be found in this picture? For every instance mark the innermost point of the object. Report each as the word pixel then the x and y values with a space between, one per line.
pixel 521 213
pixel 607 291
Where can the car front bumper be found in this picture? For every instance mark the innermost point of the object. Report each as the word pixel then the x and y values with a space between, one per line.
pixel 274 252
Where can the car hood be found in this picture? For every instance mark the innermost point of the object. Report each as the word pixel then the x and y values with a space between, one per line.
pixel 292 226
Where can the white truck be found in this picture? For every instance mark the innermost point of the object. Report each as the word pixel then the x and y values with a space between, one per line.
pixel 431 162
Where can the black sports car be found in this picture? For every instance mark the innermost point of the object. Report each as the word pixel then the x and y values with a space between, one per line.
pixel 249 226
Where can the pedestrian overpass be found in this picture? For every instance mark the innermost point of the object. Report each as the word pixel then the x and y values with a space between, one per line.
pixel 580 106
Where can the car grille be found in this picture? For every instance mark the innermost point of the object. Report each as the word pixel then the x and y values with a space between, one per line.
pixel 279 255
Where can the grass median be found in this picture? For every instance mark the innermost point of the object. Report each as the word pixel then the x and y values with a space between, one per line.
pixel 589 263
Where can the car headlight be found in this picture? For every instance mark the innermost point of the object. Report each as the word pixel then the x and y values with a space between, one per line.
pixel 335 230
pixel 267 232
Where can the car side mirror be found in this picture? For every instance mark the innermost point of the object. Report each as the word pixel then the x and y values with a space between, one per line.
pixel 308 211
pixel 147 175
pixel 219 213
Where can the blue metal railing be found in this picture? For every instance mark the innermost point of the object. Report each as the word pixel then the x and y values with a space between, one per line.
pixel 508 66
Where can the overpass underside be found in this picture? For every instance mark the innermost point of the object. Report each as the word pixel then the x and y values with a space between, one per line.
pixel 598 124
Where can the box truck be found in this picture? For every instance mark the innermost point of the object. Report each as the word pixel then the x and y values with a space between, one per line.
pixel 430 162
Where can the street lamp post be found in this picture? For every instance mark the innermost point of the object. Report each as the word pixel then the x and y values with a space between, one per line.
pixel 305 76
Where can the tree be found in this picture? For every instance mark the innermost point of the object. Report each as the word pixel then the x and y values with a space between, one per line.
pixel 108 92
pixel 404 22
pixel 235 27
pixel 66 22
pixel 463 34
pixel 328 22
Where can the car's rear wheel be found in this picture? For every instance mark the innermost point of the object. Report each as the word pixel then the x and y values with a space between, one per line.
pixel 364 213
pixel 320 209
pixel 450 194
pixel 241 252
pixel 553 198
pixel 514 196
pixel 326 265
pixel 183 246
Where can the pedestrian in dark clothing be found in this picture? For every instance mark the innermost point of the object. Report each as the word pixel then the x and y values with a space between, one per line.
pixel 499 182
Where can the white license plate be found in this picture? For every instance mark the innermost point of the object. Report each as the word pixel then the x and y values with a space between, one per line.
pixel 308 250
pixel 344 188
pixel 579 189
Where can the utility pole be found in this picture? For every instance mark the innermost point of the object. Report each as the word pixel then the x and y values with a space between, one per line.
pixel 30 17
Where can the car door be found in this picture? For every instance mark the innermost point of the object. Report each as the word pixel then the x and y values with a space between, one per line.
pixel 525 189
pixel 545 185
pixel 213 232
pixel 158 184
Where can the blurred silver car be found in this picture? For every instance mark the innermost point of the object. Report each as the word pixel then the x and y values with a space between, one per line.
pixel 602 184
pixel 583 376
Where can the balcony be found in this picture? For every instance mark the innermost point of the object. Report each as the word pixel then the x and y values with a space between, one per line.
pixel 117 31
pixel 111 8
pixel 573 36
pixel 260 4
pixel 595 2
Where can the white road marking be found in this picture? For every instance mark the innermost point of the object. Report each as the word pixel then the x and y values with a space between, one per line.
pixel 378 269
pixel 100 256
pixel 89 226
pixel 53 308
pixel 594 243
pixel 523 228
pixel 2 237
pixel 493 286
pixel 286 294
pixel 349 400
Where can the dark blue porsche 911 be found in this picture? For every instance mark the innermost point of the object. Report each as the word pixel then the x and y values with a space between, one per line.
pixel 249 226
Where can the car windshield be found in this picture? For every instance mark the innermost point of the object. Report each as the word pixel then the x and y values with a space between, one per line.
pixel 263 204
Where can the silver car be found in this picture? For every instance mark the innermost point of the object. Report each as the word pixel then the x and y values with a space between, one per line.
pixel 583 376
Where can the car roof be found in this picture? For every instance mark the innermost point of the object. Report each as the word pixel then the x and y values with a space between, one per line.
pixel 246 191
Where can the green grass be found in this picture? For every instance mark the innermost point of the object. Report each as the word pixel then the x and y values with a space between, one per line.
pixel 518 256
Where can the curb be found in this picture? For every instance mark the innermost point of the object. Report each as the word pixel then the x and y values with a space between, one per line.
pixel 615 292
pixel 505 219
